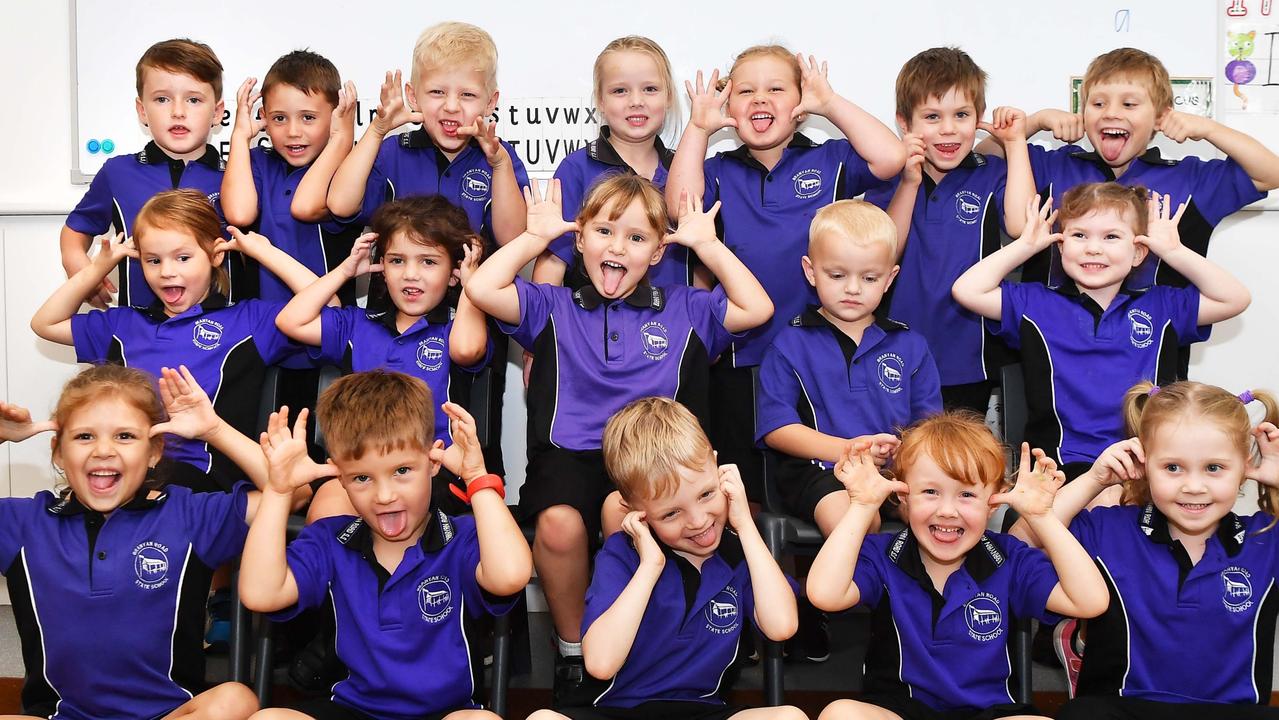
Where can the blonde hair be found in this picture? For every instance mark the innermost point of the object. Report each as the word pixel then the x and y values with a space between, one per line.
pixel 622 189
pixel 450 44
pixel 647 442
pixel 933 72
pixel 1145 411
pixel 1137 66
pixel 186 211
pixel 777 52
pixel 379 411
pixel 1082 200
pixel 101 382
pixel 856 221
pixel 959 443
pixel 642 45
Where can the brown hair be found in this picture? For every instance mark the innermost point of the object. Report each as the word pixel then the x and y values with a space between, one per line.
pixel 1137 66
pixel 135 387
pixel 1144 413
pixel 185 57
pixel 961 445
pixel 379 411
pixel 855 221
pixel 1088 198
pixel 425 220
pixel 309 72
pixel 639 44
pixel 622 189
pixel 187 211
pixel 933 72
pixel 776 52
pixel 647 442
pixel 449 44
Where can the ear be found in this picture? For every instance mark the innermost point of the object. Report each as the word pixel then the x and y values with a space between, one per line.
pixel 808 271
pixel 1139 254
pixel 218 257
pixel 657 255
pixel 157 452
pixel 218 111
pixel 903 125
pixel 492 107
pixel 142 115
pixel 892 275
pixel 577 242
pixel 54 454
pixel 410 97
pixel 437 450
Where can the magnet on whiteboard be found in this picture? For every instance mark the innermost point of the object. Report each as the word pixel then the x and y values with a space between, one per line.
pixel 108 146
pixel 93 146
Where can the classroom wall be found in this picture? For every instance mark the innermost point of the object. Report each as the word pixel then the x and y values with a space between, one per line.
pixel 36 193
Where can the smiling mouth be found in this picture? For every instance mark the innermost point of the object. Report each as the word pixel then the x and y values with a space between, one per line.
pixel 947 148
pixel 946 535
pixel 1112 143
pixel 761 121
pixel 392 524
pixel 103 481
pixel 449 127
pixel 1194 508
pixel 705 538
pixel 611 273
pixel 172 294
pixel 637 120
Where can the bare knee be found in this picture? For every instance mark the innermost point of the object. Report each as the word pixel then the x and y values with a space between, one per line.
pixel 330 500
pixel 230 701
pixel 613 513
pixel 546 715
pixel 788 712
pixel 560 529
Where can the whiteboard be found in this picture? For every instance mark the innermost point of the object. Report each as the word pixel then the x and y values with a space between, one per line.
pixel 546 49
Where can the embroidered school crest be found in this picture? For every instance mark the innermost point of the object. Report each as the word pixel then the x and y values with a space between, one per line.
pixel 967 207
pixel 206 334
pixel 984 618
pixel 1143 328
pixel 435 598
pixel 808 183
pixel 430 354
pixel 723 612
pixel 1236 589
pixel 475 185
pixel 891 370
pixel 656 340
pixel 151 565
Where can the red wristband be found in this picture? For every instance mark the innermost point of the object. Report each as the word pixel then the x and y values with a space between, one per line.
pixel 480 483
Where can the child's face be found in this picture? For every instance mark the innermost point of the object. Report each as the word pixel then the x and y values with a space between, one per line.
pixel 176 268
pixel 632 96
pixel 691 520
pixel 450 98
pixel 417 276
pixel 1194 471
pixel 947 125
pixel 851 278
pixel 179 110
pixel 105 450
pixel 946 516
pixel 391 491
pixel 618 253
pixel 1120 120
pixel 764 95
pixel 1098 249
pixel 297 123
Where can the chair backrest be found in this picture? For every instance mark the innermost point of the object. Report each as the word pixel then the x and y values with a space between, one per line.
pixel 269 396
pixel 478 403
pixel 328 374
pixel 772 500
pixel 1013 424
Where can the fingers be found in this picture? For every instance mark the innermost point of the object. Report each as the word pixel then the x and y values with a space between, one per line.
pixel 1024 465
pixel 299 425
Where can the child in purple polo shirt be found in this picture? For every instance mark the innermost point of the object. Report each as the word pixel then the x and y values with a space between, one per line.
pixel 596 348
pixel 403 575
pixel 425 249
pixel 672 594
pixel 303 108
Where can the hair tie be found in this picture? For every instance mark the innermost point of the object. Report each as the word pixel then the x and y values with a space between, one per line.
pixel 1246 397
pixel 1154 389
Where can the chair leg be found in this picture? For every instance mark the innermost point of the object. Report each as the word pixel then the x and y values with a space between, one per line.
pixel 774 674
pixel 1022 651
pixel 501 662
pixel 238 645
pixel 262 675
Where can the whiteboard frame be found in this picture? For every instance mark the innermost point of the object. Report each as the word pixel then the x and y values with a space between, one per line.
pixel 77 175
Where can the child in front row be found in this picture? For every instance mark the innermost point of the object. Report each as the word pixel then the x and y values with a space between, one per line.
pixel 1084 343
pixel 771 186
pixel 842 371
pixel 1191 625
pixel 672 594
pixel 946 593
pixel 597 348
pixel 179 85
pixel 227 346
pixel 950 205
pixel 403 576
pixel 109 574
pixel 424 249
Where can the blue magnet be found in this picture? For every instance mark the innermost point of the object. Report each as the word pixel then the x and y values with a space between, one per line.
pixel 93 146
pixel 108 146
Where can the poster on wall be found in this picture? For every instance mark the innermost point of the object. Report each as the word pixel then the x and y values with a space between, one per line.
pixel 1248 69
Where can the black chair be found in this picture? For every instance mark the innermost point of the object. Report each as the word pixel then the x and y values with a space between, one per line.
pixel 1013 428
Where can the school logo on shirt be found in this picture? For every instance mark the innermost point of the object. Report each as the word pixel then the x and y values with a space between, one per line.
pixel 151 565
pixel 430 354
pixel 657 340
pixel 475 184
pixel 808 183
pixel 435 598
pixel 967 207
pixel 1143 328
pixel 891 369
pixel 1236 589
pixel 723 612
pixel 207 334
pixel 984 619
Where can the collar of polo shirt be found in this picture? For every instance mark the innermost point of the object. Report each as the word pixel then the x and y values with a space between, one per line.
pixel 642 297
pixel 214 301
pixel 742 153
pixel 981 562
pixel 1068 288
pixel 152 154
pixel 420 139
pixel 438 315
pixel 812 318
pixel 1152 156
pixel 729 550
pixel 1230 530
pixel 69 505
pixel 601 150
pixel 438 533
